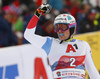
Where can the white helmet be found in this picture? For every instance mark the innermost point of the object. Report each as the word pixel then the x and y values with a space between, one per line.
pixel 65 19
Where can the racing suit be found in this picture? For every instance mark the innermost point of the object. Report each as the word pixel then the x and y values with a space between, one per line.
pixel 69 59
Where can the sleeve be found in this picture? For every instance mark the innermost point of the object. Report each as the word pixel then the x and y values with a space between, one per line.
pixel 30 35
pixel 92 71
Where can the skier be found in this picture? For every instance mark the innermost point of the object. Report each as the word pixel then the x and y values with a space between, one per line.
pixel 68 57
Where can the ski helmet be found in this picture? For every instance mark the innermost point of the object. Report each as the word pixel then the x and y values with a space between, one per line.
pixel 66 19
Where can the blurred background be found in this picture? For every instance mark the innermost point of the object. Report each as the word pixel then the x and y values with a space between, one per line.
pixel 15 15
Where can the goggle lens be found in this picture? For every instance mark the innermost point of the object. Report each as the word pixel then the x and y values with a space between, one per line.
pixel 62 27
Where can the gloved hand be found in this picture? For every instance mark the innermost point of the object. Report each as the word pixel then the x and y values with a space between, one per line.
pixel 44 8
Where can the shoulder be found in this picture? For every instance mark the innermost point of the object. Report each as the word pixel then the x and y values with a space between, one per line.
pixel 83 42
pixel 86 44
pixel 49 39
pixel 80 41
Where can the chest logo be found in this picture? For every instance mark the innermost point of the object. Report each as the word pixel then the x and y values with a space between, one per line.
pixel 71 48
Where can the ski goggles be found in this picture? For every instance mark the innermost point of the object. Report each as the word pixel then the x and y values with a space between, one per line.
pixel 62 27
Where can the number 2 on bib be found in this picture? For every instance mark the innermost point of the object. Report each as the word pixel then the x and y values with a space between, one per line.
pixel 72 62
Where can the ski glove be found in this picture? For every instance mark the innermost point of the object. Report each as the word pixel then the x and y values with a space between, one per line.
pixel 44 8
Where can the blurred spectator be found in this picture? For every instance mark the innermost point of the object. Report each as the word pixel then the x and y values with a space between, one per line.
pixel 13 8
pixel 47 29
pixel 7 37
pixel 94 3
pixel 18 29
pixel 75 8
pixel 6 2
pixel 39 2
pixel 87 24
pixel 97 20
pixel 26 2
pixel 56 4
pixel 12 13
pixel 82 14
pixel 67 6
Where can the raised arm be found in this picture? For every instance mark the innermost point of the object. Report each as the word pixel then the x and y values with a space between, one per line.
pixel 30 30
pixel 89 64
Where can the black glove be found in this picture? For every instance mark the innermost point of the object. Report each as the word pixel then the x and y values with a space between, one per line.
pixel 44 8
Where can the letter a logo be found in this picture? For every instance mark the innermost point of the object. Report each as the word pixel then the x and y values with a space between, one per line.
pixel 70 48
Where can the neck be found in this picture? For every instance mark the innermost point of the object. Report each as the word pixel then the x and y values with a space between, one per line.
pixel 67 40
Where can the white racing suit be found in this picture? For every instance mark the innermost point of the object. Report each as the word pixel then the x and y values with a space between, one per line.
pixel 68 60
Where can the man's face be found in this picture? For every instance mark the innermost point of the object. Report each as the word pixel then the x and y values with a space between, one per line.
pixel 62 31
pixel 63 35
